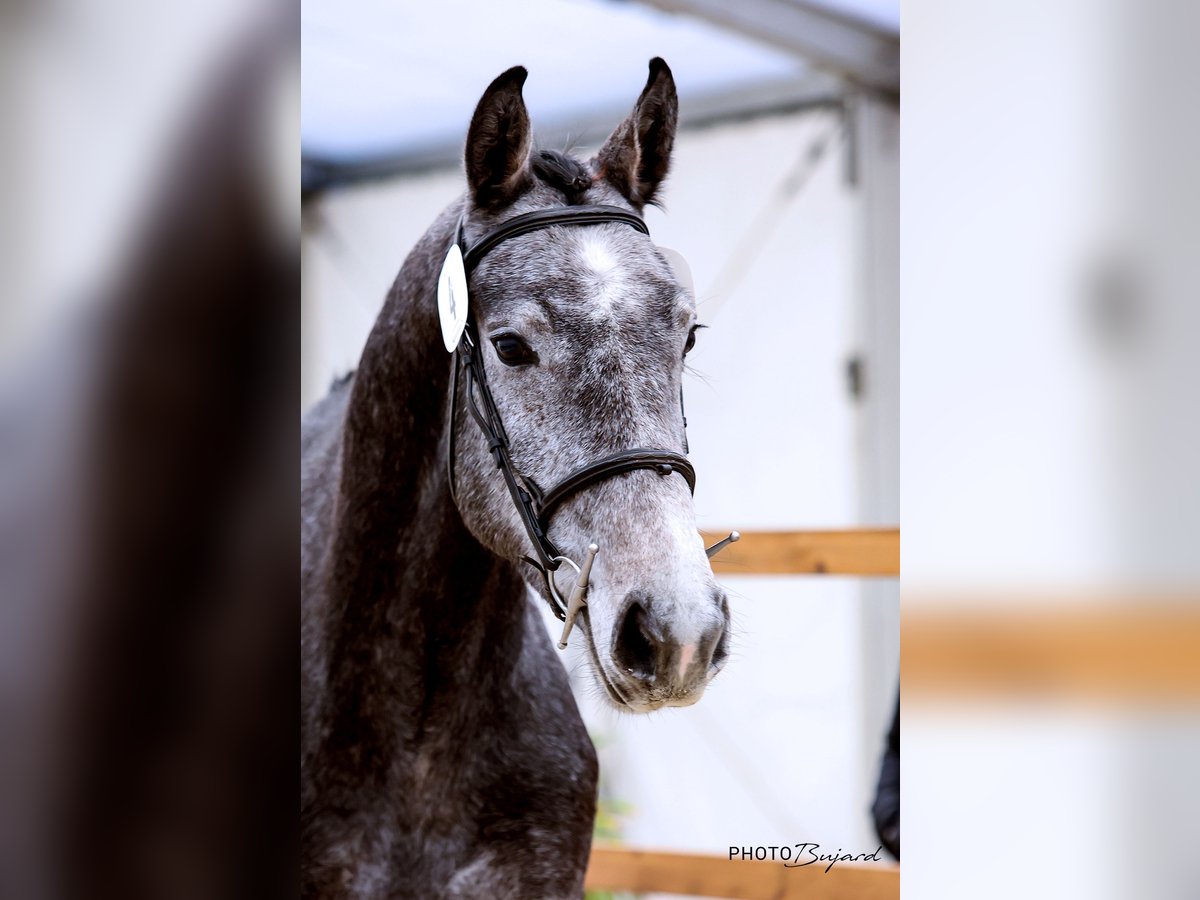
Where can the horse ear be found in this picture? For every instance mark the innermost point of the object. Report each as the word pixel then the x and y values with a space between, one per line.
pixel 636 157
pixel 498 140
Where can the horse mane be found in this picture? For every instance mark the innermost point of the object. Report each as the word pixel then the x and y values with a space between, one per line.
pixel 340 381
pixel 561 171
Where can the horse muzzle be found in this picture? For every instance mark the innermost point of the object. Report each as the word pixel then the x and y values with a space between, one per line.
pixel 574 602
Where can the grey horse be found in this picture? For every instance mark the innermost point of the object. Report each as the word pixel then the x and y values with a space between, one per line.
pixel 442 753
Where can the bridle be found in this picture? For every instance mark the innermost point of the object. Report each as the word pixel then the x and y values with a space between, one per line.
pixel 534 505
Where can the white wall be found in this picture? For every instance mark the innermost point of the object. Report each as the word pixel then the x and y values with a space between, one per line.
pixel 778 751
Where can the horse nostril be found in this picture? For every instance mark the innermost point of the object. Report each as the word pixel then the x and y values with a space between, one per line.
pixel 636 651
pixel 721 650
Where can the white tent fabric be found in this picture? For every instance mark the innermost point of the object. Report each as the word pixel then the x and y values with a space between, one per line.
pixel 382 77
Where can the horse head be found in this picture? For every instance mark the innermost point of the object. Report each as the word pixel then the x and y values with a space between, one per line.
pixel 580 333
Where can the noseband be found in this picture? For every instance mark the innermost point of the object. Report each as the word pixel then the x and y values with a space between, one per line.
pixel 534 505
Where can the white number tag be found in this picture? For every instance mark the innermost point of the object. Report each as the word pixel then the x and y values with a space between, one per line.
pixel 452 298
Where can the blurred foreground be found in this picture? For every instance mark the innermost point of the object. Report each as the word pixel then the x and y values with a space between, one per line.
pixel 1050 449
pixel 147 444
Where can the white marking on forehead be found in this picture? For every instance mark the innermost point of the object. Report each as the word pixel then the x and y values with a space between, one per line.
pixel 598 257
pixel 609 281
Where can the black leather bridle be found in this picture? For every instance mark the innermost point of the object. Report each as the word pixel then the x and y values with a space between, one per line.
pixel 534 505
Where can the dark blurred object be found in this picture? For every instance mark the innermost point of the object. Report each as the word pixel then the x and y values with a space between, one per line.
pixel 886 809
pixel 158 726
pixel 1116 308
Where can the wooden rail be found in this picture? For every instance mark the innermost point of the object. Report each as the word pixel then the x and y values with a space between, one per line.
pixel 1134 651
pixel 852 551
pixel 619 868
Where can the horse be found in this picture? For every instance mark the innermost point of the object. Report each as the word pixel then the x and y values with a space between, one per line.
pixel 442 753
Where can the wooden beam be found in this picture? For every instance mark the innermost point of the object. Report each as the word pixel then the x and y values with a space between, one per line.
pixel 1136 652
pixel 619 868
pixel 854 551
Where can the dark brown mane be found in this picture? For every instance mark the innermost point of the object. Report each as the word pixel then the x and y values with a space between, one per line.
pixel 563 172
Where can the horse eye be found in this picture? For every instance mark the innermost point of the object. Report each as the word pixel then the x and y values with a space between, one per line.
pixel 691 340
pixel 513 351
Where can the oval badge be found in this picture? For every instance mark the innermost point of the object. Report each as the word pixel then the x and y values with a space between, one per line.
pixel 452 298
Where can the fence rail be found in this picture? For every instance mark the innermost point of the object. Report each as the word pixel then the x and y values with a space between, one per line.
pixel 699 875
pixel 851 551
pixel 1137 650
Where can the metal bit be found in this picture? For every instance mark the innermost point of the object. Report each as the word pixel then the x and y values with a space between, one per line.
pixel 716 548
pixel 578 598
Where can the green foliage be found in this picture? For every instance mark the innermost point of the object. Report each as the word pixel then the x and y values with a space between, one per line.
pixel 610 816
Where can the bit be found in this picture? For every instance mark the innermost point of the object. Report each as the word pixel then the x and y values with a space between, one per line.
pixel 578 598
pixel 716 548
